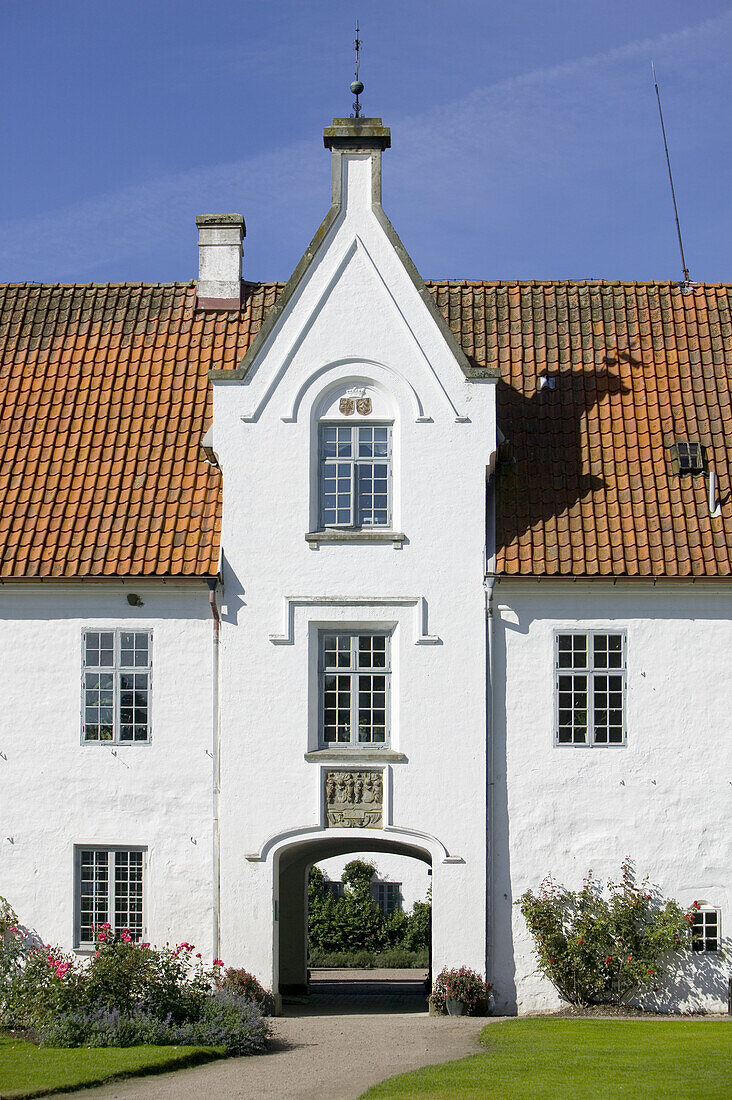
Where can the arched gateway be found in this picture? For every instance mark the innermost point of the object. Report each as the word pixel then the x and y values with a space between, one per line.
pixel 291 859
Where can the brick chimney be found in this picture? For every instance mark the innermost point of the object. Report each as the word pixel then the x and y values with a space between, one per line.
pixel 219 260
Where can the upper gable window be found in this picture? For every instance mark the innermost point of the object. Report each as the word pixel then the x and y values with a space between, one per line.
pixel 116 686
pixel 355 476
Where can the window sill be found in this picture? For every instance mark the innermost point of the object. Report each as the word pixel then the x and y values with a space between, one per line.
pixel 355 756
pixel 334 534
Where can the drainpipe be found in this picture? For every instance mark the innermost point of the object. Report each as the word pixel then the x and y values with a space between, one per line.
pixel 489 585
pixel 216 764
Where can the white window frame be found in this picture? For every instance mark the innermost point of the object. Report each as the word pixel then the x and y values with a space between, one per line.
pixel 109 914
pixel 116 670
pixel 590 672
pixel 354 633
pixel 704 950
pixel 353 462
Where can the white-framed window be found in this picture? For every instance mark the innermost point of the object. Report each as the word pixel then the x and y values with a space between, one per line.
pixel 109 890
pixel 116 679
pixel 355 468
pixel 705 930
pixel 590 674
pixel 354 681
pixel 388 896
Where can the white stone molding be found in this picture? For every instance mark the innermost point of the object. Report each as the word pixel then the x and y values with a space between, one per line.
pixel 287 637
pixel 387 839
pixel 359 373
pixel 355 245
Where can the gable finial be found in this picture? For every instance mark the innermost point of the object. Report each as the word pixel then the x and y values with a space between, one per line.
pixel 357 84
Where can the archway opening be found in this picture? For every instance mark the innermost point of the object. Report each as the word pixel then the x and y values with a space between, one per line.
pixel 331 974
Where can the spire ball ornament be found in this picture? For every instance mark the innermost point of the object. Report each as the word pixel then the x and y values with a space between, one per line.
pixel 357 84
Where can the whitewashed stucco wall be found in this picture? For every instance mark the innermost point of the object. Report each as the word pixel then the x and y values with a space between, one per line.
pixel 663 799
pixel 58 792
pixel 356 319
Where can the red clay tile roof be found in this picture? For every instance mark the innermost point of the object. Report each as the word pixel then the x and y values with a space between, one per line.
pixel 105 400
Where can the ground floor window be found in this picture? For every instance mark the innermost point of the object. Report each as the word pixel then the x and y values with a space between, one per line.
pixel 109 885
pixel 705 930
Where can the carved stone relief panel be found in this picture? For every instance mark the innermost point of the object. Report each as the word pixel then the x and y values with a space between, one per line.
pixel 354 799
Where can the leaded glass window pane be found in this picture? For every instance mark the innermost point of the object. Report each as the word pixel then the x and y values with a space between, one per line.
pixel 590 689
pixel 355 476
pixel 115 690
pixel 705 931
pixel 110 891
pixel 94 892
pixel 354 685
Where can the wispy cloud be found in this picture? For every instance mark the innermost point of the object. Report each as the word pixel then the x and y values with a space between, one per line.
pixel 285 190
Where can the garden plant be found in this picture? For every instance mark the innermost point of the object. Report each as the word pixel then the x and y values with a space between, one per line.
pixel 127 993
pixel 604 947
pixel 353 931
pixel 463 985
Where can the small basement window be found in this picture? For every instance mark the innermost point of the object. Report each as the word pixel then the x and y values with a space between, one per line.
pixel 705 930
pixel 687 458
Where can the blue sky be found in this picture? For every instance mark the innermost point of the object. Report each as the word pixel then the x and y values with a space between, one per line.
pixel 525 136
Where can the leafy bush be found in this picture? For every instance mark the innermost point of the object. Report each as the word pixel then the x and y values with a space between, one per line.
pixel 164 981
pixel 418 933
pixel 240 981
pixel 603 950
pixel 127 993
pixel 461 985
pixel 354 923
pixel 225 1019
pixel 392 958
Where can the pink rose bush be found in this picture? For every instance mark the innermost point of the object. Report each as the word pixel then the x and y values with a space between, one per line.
pixel 125 992
pixel 603 946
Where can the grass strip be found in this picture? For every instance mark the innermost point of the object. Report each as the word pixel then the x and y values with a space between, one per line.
pixel 584 1059
pixel 27 1070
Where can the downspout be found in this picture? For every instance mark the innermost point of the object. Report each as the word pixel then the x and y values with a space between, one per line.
pixel 489 585
pixel 215 764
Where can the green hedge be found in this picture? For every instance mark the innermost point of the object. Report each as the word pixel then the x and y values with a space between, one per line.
pixel 355 924
pixel 395 958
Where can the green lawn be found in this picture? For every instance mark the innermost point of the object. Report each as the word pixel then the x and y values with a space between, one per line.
pixel 597 1059
pixel 28 1070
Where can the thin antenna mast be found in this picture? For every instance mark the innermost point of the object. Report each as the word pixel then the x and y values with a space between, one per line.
pixel 357 85
pixel 687 278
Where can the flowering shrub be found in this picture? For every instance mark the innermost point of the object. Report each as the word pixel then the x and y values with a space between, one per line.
pixel 225 1019
pixel 603 950
pixel 165 981
pixel 126 993
pixel 461 985
pixel 241 982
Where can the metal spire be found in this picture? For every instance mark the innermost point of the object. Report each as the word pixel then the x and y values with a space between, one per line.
pixel 357 85
pixel 687 278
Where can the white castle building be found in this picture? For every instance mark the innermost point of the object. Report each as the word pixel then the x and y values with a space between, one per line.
pixel 359 564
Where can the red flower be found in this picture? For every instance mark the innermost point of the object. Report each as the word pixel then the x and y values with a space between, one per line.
pixel 218 962
pixel 630 958
pixel 608 960
pixel 580 941
pixel 650 970
pixel 551 960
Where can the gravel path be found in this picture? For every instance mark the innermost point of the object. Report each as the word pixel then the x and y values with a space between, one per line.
pixel 321 1050
pixel 314 1058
